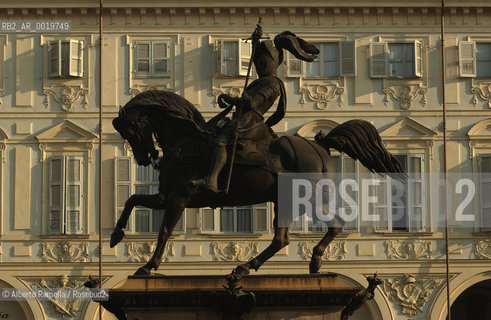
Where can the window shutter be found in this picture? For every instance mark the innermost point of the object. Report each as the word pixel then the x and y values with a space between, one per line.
pixel 418 58
pixel 467 59
pixel 161 55
pixel 54 59
pixel 260 223
pixel 245 52
pixel 348 171
pixel 56 195
pixel 76 58
pixel 123 174
pixel 379 62
pixel 416 194
pixel 142 57
pixel 347 56
pixel 294 67
pixel 207 220
pixel 217 70
pixel 74 194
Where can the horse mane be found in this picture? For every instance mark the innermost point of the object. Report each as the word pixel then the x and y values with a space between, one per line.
pixel 174 108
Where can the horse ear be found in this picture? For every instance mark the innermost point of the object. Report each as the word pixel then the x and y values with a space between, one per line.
pixel 122 113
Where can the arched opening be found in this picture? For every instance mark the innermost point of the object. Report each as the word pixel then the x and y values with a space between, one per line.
pixel 12 309
pixel 474 303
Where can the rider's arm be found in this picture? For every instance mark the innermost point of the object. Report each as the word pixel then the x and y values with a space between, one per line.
pixel 213 121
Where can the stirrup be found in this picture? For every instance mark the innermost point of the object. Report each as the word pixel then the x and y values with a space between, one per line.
pixel 201 183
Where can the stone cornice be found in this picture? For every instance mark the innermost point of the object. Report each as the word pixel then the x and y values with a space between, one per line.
pixel 237 4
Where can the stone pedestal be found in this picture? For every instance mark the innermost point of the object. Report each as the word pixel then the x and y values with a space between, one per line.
pixel 321 296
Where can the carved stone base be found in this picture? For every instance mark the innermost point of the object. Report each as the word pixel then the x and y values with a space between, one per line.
pixel 318 296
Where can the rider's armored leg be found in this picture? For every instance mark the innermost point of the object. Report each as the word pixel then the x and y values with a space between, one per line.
pixel 217 162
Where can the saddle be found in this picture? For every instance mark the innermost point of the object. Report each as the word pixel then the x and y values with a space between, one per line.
pixel 252 145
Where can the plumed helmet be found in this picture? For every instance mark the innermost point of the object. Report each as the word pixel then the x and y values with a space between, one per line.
pixel 269 54
pixel 300 48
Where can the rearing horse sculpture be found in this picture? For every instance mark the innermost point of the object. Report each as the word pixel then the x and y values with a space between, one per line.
pixel 184 137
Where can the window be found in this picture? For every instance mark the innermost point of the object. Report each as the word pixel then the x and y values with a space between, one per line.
pixel 400 206
pixel 335 59
pixel 475 59
pixel 484 162
pixel 65 182
pixel 134 179
pixel 244 219
pixel 65 58
pixel 152 58
pixel 396 60
pixel 232 58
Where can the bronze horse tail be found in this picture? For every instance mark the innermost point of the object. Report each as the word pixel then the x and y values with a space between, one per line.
pixel 360 140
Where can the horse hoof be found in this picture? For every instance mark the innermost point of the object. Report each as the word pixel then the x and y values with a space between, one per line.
pixel 142 271
pixel 116 237
pixel 315 264
pixel 241 270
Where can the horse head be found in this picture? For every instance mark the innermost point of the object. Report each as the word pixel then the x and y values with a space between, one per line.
pixel 137 130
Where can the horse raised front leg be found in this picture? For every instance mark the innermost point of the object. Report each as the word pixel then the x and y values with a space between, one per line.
pixel 173 212
pixel 154 201
pixel 335 226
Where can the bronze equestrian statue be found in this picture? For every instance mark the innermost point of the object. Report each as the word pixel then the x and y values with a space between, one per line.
pixel 191 146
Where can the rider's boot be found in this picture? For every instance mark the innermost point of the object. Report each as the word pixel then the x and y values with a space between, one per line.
pixel 218 161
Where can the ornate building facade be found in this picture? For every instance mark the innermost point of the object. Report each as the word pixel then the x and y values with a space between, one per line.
pixel 378 61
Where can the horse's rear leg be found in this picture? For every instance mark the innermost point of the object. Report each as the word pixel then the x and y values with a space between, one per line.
pixel 280 240
pixel 335 226
pixel 154 201
pixel 173 212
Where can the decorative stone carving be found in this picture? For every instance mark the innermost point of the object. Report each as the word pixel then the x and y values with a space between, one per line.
pixel 66 96
pixel 3 146
pixel 336 250
pixel 89 146
pixel 483 92
pixel 139 89
pixel 2 93
pixel 233 302
pixel 322 94
pixel 234 251
pixel 406 95
pixel 64 252
pixel 56 307
pixel 483 249
pixel 142 251
pixel 235 92
pixel 411 293
pixel 429 144
pixel 472 146
pixel 42 147
pixel 408 249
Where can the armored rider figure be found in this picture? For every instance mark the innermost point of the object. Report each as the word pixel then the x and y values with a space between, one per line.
pixel 257 98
